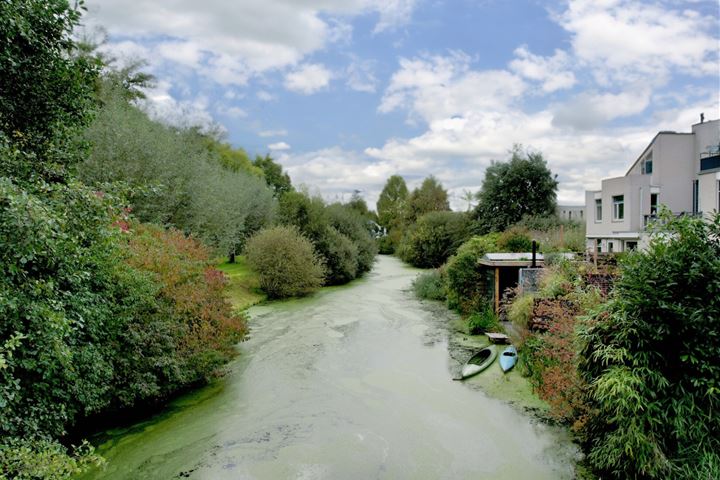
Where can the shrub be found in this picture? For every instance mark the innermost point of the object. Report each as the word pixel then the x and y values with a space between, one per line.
pixel 430 285
pixel 521 310
pixel 434 238
pixel 464 276
pixel 338 233
pixel 515 239
pixel 192 332
pixel 651 359
pixel 484 321
pixel 285 261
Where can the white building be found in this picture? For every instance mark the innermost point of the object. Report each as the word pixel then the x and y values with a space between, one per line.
pixel 574 213
pixel 678 170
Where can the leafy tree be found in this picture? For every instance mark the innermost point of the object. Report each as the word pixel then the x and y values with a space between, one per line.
pixel 434 238
pixel 176 175
pixel 465 275
pixel 233 159
pixel 429 197
pixel 391 203
pixel 274 175
pixel 651 359
pixel 521 186
pixel 46 91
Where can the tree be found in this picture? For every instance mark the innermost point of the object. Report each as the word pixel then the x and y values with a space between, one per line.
pixel 429 197
pixel 521 186
pixel 650 359
pixel 434 238
pixel 274 175
pixel 46 90
pixel 391 203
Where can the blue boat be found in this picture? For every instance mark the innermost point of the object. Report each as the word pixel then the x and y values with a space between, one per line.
pixel 508 359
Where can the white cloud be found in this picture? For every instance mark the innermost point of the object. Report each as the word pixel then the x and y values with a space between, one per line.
pixel 279 146
pixel 161 105
pixel 232 112
pixel 361 76
pixel 273 133
pixel 438 88
pixel 624 40
pixel 308 79
pixel 592 110
pixel 241 39
pixel 184 53
pixel 265 96
pixel 553 71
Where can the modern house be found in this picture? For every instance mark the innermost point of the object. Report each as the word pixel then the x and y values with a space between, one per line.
pixel 574 213
pixel 678 170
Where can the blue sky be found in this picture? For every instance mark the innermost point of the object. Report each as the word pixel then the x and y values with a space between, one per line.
pixel 346 93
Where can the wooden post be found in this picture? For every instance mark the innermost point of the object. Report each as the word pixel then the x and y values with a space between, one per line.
pixel 497 290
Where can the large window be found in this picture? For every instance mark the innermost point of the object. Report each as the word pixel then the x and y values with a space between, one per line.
pixel 653 204
pixel 598 210
pixel 618 207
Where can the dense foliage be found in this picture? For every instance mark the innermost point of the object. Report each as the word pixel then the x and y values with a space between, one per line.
pixel 465 281
pixel 430 285
pixel 433 238
pixel 180 178
pixel 338 232
pixel 285 261
pixel 651 360
pixel 276 179
pixel 97 312
pixel 511 190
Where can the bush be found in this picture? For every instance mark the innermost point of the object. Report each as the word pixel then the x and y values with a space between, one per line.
pixel 285 261
pixel 192 331
pixel 521 310
pixel 430 285
pixel 464 276
pixel 484 321
pixel 434 238
pixel 515 239
pixel 338 233
pixel 651 359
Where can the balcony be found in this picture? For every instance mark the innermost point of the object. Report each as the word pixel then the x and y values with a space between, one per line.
pixel 648 219
pixel 710 160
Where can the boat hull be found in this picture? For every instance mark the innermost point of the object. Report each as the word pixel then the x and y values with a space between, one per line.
pixel 478 362
pixel 508 358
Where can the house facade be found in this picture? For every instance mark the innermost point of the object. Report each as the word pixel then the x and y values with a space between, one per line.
pixel 678 170
pixel 574 213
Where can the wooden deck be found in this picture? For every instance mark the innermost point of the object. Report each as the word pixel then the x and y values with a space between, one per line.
pixel 497 337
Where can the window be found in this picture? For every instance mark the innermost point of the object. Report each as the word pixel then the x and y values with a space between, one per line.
pixel 653 203
pixel 647 163
pixel 630 245
pixel 569 214
pixel 598 247
pixel 618 207
pixel 581 214
pixel 696 197
pixel 610 246
pixel 598 210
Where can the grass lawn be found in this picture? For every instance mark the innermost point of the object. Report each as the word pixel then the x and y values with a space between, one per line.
pixel 243 288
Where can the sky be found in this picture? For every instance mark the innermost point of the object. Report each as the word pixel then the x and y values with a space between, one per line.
pixel 345 93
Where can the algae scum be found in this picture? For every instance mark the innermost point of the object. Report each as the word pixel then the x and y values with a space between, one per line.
pixel 352 383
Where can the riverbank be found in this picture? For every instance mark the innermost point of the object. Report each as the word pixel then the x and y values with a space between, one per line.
pixel 243 285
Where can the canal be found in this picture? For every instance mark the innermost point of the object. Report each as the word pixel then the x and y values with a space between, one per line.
pixel 354 382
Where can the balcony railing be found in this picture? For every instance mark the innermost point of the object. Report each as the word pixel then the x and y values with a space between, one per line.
pixel 653 218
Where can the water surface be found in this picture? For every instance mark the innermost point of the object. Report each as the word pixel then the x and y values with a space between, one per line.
pixel 352 383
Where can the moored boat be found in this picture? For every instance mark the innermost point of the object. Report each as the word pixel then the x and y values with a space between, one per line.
pixel 478 362
pixel 508 358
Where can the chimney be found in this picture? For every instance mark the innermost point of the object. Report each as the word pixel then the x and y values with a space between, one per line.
pixel 534 253
pixel 702 117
